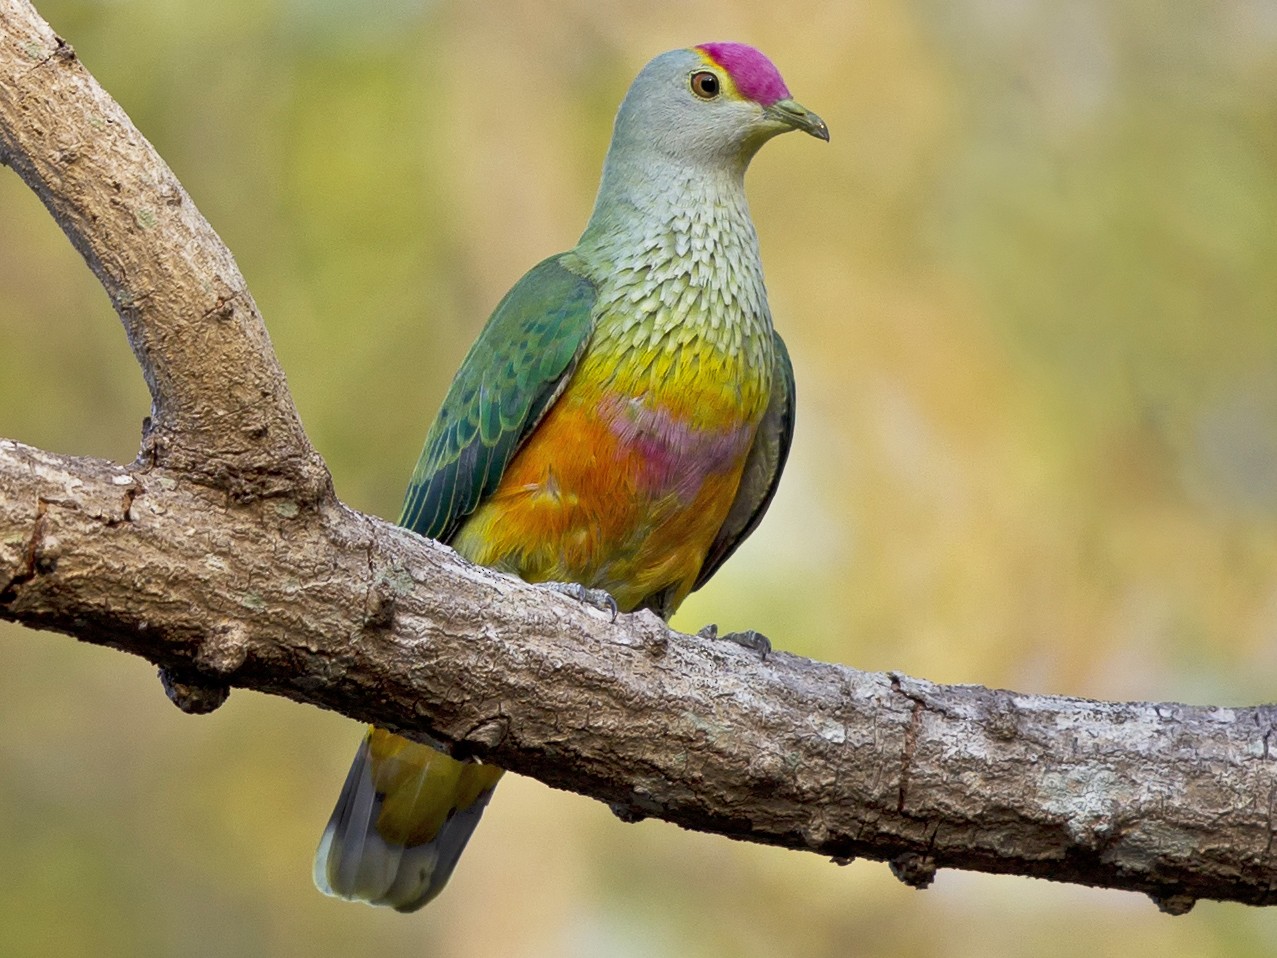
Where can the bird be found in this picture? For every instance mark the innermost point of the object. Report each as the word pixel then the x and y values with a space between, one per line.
pixel 616 431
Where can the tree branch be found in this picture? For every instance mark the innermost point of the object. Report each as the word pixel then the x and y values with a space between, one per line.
pixel 222 556
pixel 221 410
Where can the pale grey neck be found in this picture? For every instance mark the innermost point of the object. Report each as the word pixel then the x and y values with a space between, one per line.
pixel 650 202
pixel 673 254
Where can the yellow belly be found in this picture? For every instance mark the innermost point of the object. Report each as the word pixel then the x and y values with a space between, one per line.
pixel 616 494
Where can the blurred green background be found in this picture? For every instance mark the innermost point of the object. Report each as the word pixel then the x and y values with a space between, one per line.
pixel 1030 290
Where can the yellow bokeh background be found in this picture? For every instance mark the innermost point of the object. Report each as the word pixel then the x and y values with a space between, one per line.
pixel 1030 289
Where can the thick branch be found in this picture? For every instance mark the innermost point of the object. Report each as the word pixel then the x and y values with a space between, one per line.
pixel 222 557
pixel 220 407
pixel 352 614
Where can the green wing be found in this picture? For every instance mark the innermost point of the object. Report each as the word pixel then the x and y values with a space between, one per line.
pixel 511 376
pixel 762 468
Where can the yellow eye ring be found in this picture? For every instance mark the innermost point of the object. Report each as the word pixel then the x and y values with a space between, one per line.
pixel 705 84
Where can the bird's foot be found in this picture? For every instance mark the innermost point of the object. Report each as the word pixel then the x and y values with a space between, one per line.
pixel 754 641
pixel 599 599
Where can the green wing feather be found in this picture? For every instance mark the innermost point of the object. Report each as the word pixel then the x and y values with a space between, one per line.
pixel 509 379
pixel 763 467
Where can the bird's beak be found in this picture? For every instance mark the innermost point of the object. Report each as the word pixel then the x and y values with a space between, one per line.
pixel 796 116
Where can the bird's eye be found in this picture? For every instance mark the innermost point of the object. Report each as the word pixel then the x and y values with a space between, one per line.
pixel 705 85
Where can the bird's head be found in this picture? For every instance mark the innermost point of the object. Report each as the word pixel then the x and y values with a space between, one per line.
pixel 716 102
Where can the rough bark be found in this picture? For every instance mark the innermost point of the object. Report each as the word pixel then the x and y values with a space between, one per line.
pixel 222 556
pixel 172 281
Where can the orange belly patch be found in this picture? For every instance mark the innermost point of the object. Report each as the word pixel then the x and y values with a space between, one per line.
pixel 613 493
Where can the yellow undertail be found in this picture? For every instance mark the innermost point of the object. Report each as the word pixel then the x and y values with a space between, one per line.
pixel 402 821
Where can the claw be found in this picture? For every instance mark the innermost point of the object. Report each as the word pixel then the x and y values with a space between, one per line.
pixel 750 639
pixel 599 599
